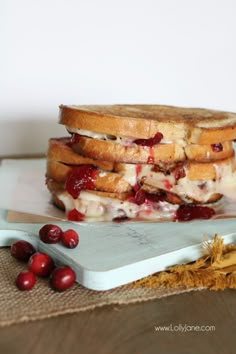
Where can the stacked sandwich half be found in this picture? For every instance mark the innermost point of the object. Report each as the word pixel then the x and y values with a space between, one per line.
pixel 142 162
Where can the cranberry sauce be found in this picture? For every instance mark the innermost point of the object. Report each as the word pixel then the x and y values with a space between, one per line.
pixel 151 141
pixel 179 172
pixel 138 169
pixel 81 177
pixel 141 197
pixel 75 215
pixel 191 212
pixel 217 147
pixel 167 184
pixel 75 138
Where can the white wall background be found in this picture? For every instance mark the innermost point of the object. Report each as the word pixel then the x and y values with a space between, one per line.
pixel 178 52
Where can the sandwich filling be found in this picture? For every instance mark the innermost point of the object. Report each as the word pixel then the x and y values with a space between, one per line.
pixel 126 141
pixel 94 207
pixel 155 195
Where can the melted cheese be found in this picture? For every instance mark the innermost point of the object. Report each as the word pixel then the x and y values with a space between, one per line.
pixel 100 136
pixel 97 208
pixel 199 190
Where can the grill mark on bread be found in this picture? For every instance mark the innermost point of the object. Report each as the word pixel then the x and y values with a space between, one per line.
pixel 191 125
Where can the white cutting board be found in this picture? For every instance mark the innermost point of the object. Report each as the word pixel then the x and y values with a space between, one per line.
pixel 110 254
pixel 115 254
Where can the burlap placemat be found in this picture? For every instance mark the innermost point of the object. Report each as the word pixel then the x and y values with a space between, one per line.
pixel 42 302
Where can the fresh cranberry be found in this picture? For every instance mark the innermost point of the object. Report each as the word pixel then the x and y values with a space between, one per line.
pixel 81 177
pixel 62 278
pixel 41 264
pixel 50 233
pixel 75 215
pixel 22 250
pixel 25 280
pixel 190 212
pixel 217 147
pixel 70 238
pixel 151 141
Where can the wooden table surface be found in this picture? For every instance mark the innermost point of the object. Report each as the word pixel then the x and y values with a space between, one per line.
pixel 130 329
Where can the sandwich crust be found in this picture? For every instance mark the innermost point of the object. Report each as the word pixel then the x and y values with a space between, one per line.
pixel 115 152
pixel 190 125
pixel 59 149
pixel 193 170
pixel 104 181
pixel 56 188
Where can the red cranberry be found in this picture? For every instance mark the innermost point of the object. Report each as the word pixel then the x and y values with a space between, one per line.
pixel 179 172
pixel 151 141
pixel 75 138
pixel 70 238
pixel 41 264
pixel 22 250
pixel 217 147
pixel 140 197
pixel 190 212
pixel 62 278
pixel 155 198
pixel 50 233
pixel 81 177
pixel 75 215
pixel 25 280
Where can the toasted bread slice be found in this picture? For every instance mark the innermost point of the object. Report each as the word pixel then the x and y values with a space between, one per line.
pixel 194 171
pixel 59 149
pixel 174 198
pixel 58 187
pixel 113 151
pixel 206 153
pixel 177 124
pixel 104 181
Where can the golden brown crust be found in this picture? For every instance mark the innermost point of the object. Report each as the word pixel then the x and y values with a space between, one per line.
pixel 59 150
pixel 207 170
pixel 206 152
pixel 192 125
pixel 104 181
pixel 112 151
